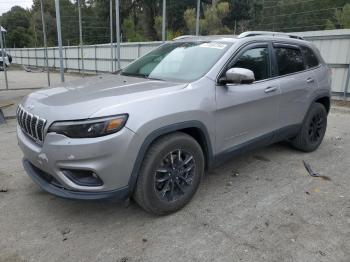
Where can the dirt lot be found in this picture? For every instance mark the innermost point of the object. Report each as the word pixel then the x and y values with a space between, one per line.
pixel 271 211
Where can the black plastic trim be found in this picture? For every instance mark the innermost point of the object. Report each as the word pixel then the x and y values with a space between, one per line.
pixel 261 141
pixel 323 95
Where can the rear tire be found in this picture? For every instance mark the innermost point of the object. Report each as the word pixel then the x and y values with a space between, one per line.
pixel 313 129
pixel 170 174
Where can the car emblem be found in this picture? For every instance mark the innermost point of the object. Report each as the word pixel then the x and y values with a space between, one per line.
pixel 30 107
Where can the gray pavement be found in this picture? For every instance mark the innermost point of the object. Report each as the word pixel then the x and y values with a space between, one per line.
pixel 271 211
pixel 19 79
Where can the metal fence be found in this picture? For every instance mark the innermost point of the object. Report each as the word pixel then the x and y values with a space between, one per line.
pixel 334 46
pixel 97 58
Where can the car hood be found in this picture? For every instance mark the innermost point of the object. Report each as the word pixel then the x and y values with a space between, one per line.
pixel 80 99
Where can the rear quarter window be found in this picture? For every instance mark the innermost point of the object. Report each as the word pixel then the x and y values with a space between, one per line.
pixel 289 60
pixel 310 57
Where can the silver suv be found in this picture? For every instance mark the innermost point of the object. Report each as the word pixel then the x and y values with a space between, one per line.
pixel 152 129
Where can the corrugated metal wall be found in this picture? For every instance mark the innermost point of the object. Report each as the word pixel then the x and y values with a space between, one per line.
pixel 96 57
pixel 334 46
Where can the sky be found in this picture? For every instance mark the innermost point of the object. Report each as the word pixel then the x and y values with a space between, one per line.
pixel 5 5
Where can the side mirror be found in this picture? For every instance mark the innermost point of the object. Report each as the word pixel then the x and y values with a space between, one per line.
pixel 239 75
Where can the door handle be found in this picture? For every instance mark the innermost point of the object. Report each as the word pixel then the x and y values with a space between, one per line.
pixel 270 89
pixel 310 80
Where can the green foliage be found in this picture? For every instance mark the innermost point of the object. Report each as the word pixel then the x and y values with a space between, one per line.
pixel 170 34
pixel 17 23
pixel 190 20
pixel 212 23
pixel 130 31
pixel 158 26
pixel 19 37
pixel 343 16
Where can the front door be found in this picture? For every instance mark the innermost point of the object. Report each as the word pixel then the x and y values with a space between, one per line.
pixel 247 112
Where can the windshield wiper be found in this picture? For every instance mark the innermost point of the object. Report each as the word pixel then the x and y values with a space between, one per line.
pixel 136 75
pixel 142 75
pixel 154 78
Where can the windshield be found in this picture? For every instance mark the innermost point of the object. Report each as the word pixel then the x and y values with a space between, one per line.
pixel 178 61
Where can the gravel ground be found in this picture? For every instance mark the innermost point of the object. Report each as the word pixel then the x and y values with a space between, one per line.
pixel 261 206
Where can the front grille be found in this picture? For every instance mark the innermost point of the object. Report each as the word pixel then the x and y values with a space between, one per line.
pixel 32 125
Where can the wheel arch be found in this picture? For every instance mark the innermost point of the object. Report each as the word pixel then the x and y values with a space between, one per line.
pixel 195 129
pixel 325 101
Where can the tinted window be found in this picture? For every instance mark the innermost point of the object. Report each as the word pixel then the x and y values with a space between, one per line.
pixel 257 60
pixel 310 57
pixel 289 60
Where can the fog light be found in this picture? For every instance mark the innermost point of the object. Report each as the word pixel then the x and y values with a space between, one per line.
pixel 83 177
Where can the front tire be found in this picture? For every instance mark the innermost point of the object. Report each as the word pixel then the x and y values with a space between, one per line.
pixel 170 174
pixel 313 129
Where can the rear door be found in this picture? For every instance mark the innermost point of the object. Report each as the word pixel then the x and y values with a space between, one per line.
pixel 247 112
pixel 297 83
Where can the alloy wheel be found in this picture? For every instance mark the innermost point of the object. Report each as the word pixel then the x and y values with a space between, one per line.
pixel 316 128
pixel 174 175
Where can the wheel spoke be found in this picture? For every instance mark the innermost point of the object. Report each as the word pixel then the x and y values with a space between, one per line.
pixel 179 155
pixel 163 179
pixel 179 186
pixel 171 191
pixel 187 160
pixel 188 169
pixel 165 188
pixel 188 181
pixel 163 170
pixel 171 159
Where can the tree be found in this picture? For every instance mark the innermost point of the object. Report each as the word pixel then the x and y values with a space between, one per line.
pixel 341 18
pixel 212 23
pixel 131 33
pixel 17 23
pixel 175 14
pixel 238 10
pixel 190 20
pixel 141 20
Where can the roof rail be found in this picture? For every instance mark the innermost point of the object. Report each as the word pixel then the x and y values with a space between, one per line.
pixel 183 37
pixel 275 34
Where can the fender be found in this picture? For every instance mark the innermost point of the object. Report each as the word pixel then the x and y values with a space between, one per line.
pixel 208 152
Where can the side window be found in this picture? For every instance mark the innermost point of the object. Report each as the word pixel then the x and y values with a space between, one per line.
pixel 289 60
pixel 310 57
pixel 257 60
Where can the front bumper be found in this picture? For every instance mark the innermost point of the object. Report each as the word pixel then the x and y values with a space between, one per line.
pixel 111 157
pixel 55 189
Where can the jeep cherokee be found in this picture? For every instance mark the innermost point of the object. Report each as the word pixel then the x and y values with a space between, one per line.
pixel 151 130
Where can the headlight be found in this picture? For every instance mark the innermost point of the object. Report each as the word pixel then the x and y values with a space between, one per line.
pixel 94 127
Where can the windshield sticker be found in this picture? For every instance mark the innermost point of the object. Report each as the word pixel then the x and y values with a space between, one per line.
pixel 213 45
